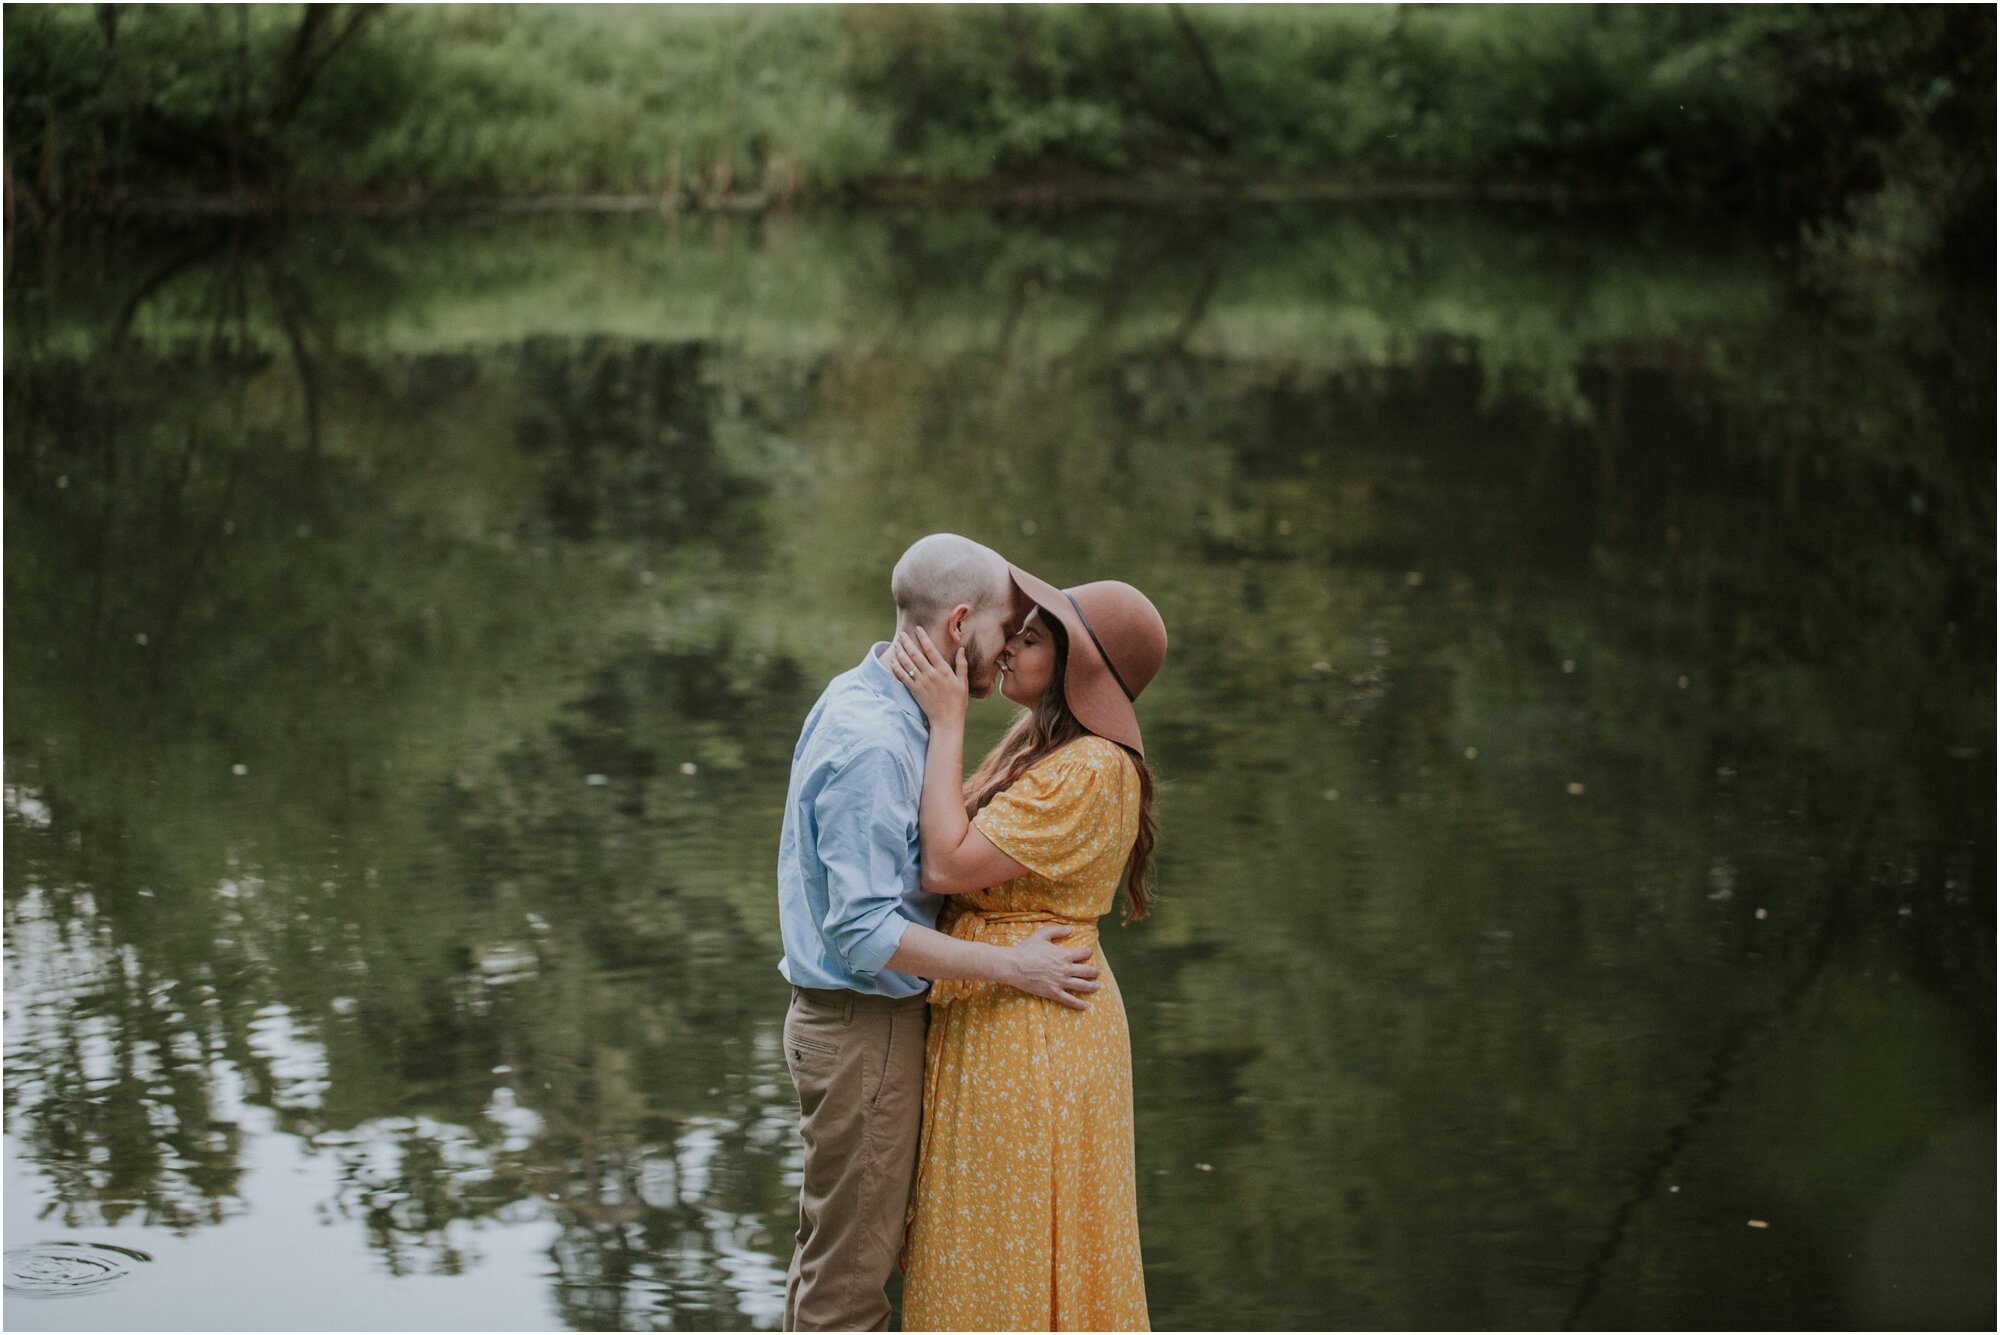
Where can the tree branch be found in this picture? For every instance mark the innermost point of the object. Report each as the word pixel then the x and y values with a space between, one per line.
pixel 1199 49
pixel 303 65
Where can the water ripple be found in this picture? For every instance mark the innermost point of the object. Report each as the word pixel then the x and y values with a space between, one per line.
pixel 68 1269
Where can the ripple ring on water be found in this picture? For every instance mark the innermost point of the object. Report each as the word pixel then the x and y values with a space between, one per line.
pixel 67 1269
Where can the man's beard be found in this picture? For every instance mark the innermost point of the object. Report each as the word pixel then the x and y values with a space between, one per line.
pixel 980 690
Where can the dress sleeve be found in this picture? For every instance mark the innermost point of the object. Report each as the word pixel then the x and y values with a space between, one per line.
pixel 1048 820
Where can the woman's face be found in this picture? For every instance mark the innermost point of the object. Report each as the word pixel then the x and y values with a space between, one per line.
pixel 1027 662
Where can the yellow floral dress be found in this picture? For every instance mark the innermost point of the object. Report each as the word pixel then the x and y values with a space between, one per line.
pixel 1025 1211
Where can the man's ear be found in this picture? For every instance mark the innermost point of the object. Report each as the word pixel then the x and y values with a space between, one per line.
pixel 954 624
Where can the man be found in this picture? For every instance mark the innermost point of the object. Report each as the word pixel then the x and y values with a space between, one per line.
pixel 860 938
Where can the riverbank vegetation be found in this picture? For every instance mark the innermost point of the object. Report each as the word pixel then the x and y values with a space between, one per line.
pixel 1871 124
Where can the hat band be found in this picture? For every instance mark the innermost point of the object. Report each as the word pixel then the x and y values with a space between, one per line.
pixel 1102 652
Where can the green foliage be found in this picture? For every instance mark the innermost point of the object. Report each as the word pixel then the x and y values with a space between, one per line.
pixel 108 99
pixel 1876 118
pixel 567 99
pixel 435 99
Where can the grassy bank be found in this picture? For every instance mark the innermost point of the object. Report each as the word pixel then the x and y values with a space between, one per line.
pixel 1879 119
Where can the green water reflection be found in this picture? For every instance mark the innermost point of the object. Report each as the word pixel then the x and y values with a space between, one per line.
pixel 1576 746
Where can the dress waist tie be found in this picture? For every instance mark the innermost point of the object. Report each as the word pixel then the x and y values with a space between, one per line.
pixel 1002 928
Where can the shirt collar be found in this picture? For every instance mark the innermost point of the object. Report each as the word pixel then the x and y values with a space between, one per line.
pixel 880 680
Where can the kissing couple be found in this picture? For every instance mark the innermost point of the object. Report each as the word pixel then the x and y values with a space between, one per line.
pixel 955 1034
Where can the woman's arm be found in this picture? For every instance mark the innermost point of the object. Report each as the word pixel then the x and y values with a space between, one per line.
pixel 953 855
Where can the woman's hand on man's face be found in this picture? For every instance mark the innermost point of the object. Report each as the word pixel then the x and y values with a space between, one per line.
pixel 940 684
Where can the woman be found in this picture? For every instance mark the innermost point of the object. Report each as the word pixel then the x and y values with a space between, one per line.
pixel 1025 1212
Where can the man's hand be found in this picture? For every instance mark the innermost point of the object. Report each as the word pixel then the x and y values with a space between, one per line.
pixel 1041 968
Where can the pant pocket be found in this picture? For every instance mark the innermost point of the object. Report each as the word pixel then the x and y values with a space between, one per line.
pixel 813 1058
pixel 882 1065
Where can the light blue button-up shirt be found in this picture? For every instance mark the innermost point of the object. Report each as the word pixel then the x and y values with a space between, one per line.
pixel 847 857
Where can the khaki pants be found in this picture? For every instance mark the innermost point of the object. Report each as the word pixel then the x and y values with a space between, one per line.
pixel 858 1063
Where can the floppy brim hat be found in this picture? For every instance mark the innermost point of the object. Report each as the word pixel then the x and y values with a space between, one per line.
pixel 1117 642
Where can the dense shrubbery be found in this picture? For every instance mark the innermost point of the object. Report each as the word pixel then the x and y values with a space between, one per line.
pixel 468 99
pixel 1790 108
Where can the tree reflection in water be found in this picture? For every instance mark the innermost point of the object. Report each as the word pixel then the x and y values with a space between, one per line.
pixel 1580 667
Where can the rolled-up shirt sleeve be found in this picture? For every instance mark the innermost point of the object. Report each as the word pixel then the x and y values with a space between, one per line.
pixel 863 820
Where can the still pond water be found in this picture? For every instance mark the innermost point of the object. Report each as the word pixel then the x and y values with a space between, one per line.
pixel 1577 874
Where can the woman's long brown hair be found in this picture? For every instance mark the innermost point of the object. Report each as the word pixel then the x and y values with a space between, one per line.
pixel 1043 729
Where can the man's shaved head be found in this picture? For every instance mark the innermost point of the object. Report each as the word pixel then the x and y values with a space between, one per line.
pixel 943 572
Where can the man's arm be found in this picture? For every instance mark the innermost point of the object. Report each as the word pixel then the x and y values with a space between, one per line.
pixel 1037 966
pixel 861 843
